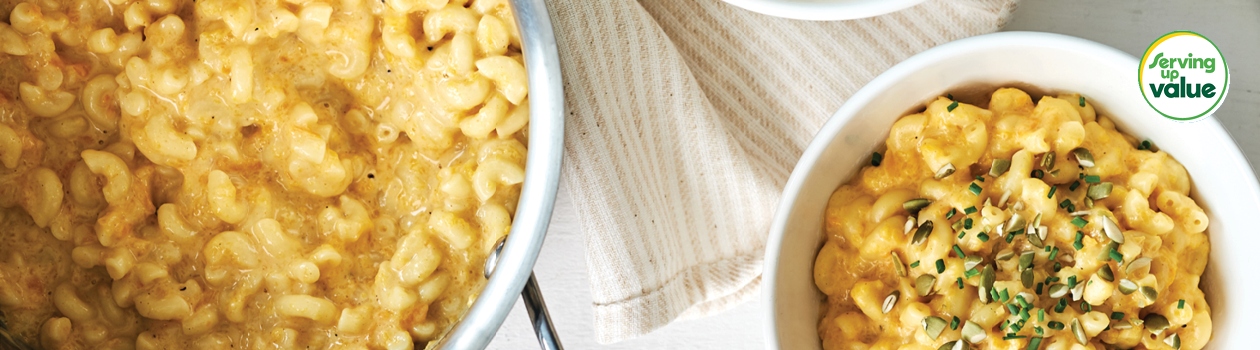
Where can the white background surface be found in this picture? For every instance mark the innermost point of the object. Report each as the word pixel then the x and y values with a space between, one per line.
pixel 1130 25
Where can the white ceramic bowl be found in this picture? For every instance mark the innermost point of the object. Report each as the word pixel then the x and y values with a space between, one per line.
pixel 1223 182
pixel 824 10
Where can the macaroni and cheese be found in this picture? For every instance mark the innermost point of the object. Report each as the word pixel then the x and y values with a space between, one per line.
pixel 1019 226
pixel 248 174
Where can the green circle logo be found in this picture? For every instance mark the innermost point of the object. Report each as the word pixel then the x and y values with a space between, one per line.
pixel 1183 76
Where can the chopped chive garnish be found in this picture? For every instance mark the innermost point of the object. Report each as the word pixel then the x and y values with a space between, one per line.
pixel 1038 173
pixel 970 210
pixel 1005 296
pixel 1146 145
pixel 1055 325
pixel 951 213
pixel 971 273
pixel 1010 336
pixel 1116 256
pixel 1057 266
pixel 984 237
pixel 1093 179
pixel 1041 315
pixel 914 264
pixel 1052 279
pixel 1082 101
pixel 1117 315
pixel 1054 251
pixel 950 96
pixel 953 324
pixel 975 189
pixel 962 234
pixel 1079 222
pixel 1010 237
pixel 1014 309
pixel 1039 332
pixel 940 265
pixel 980 178
pixel 1039 288
pixel 967 223
pixel 960 285
pixel 958 251
pixel 1071 282
pixel 1080 176
pixel 1074 186
pixel 1181 304
pixel 1065 203
pixel 1052 189
pixel 1085 307
pixel 876 158
pixel 1035 342
pixel 1062 305
pixel 952 106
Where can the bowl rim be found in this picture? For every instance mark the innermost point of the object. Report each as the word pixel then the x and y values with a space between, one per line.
pixel 903 70
pixel 538 192
pixel 824 11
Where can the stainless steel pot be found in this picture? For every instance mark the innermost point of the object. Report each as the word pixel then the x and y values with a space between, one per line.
pixel 515 260
pixel 538 194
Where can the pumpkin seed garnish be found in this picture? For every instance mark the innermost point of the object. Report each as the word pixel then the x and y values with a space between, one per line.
pixel 923 284
pixel 1138 264
pixel 1079 332
pixel 945 171
pixel 971 261
pixel 1058 290
pixel 1174 341
pixel 922 234
pixel 1026 278
pixel 1122 325
pixel 1106 274
pixel 1035 240
pixel 1155 323
pixel 987 277
pixel 1127 287
pixel 1016 222
pixel 1099 190
pixel 1026 259
pixel 1004 255
pixel 898 266
pixel 1112 230
pixel 914 205
pixel 891 300
pixel 1149 293
pixel 1079 213
pixel 954 345
pixel 1083 157
pixel 973 333
pixel 1000 166
pixel 1047 160
pixel 909 225
pixel 934 326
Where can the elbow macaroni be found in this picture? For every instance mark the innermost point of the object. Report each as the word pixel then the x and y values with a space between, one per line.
pixel 1052 253
pixel 247 174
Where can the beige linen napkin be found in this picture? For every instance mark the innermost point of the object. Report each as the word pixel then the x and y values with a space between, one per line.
pixel 685 118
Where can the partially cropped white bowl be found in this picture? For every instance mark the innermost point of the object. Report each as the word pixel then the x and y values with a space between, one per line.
pixel 824 10
pixel 1223 183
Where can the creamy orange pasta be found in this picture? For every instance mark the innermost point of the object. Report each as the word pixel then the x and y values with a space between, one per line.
pixel 241 174
pixel 1014 226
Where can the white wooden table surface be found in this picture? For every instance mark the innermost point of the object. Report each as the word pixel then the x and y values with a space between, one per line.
pixel 1130 25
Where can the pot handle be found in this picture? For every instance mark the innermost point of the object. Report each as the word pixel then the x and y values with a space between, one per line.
pixel 539 317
